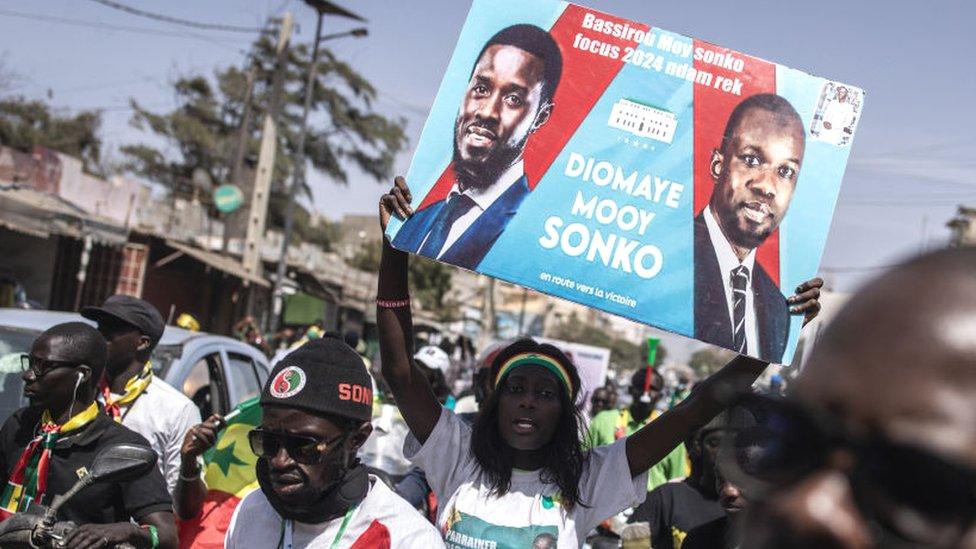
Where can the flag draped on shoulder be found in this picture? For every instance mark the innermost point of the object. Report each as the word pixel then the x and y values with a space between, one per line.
pixel 229 474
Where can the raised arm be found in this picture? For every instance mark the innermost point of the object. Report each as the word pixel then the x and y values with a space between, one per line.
pixel 191 490
pixel 655 440
pixel 410 387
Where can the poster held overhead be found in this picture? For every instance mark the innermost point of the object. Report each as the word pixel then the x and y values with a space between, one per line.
pixel 631 169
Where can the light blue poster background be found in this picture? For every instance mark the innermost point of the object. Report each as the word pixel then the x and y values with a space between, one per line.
pixel 666 300
pixel 803 231
pixel 433 153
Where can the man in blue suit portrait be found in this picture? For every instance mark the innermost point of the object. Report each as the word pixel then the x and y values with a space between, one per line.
pixel 508 98
pixel 737 304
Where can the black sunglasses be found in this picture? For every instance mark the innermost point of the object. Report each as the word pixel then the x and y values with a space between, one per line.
pixel 303 449
pixel 40 367
pixel 791 441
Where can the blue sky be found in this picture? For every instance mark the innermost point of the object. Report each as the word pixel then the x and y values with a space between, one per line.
pixel 913 161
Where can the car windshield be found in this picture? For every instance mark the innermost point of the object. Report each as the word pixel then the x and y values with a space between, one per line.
pixel 13 343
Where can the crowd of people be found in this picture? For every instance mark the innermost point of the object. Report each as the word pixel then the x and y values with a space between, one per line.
pixel 874 445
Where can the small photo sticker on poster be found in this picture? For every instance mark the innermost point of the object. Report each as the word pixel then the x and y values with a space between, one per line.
pixel 838 111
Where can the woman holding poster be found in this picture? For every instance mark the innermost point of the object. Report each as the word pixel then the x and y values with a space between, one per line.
pixel 518 476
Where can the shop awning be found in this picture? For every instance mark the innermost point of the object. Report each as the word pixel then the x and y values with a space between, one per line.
pixel 311 285
pixel 40 214
pixel 220 262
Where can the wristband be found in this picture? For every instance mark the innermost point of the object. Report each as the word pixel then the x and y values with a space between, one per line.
pixel 393 303
pixel 153 535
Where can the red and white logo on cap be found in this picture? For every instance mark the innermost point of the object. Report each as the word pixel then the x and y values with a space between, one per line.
pixel 288 382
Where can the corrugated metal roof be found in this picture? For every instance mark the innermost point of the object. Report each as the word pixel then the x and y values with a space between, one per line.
pixel 40 214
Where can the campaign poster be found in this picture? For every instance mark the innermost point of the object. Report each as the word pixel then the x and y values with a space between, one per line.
pixel 635 170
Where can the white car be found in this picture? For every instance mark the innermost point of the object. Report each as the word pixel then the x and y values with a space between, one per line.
pixel 216 372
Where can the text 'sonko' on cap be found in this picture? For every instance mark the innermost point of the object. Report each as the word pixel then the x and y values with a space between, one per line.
pixel 324 376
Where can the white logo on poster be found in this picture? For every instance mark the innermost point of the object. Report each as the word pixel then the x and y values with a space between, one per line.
pixel 643 120
pixel 838 111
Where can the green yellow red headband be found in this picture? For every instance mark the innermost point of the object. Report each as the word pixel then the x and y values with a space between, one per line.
pixel 551 364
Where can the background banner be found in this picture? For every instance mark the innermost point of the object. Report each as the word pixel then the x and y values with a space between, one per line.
pixel 628 168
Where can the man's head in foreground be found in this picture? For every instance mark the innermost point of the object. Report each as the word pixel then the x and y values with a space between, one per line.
pixel 755 169
pixel 508 97
pixel 64 365
pixel 703 445
pixel 317 406
pixel 887 454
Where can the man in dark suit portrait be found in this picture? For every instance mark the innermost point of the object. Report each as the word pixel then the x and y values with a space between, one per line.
pixel 737 304
pixel 509 97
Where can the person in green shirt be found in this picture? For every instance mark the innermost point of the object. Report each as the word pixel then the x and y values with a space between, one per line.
pixel 646 387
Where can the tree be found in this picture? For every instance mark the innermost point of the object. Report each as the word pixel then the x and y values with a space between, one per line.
pixel 367 257
pixel 430 282
pixel 202 131
pixel 25 124
pixel 9 78
pixel 708 360
pixel 322 233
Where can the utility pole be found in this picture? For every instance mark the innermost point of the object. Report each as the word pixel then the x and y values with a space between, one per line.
pixel 266 158
pixel 322 7
pixel 258 214
pixel 241 147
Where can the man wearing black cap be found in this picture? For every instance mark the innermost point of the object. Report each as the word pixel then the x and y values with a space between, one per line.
pixel 130 392
pixel 314 492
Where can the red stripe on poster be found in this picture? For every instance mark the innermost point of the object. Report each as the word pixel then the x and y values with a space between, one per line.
pixel 573 101
pixel 731 77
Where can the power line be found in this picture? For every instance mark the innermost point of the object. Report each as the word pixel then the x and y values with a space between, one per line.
pixel 106 85
pixel 855 269
pixel 415 109
pixel 906 202
pixel 104 26
pixel 177 21
pixel 113 108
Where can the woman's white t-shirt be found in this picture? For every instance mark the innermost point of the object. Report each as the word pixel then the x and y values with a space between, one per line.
pixel 529 514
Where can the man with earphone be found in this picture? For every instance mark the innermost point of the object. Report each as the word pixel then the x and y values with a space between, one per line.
pixel 48 445
pixel 130 393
